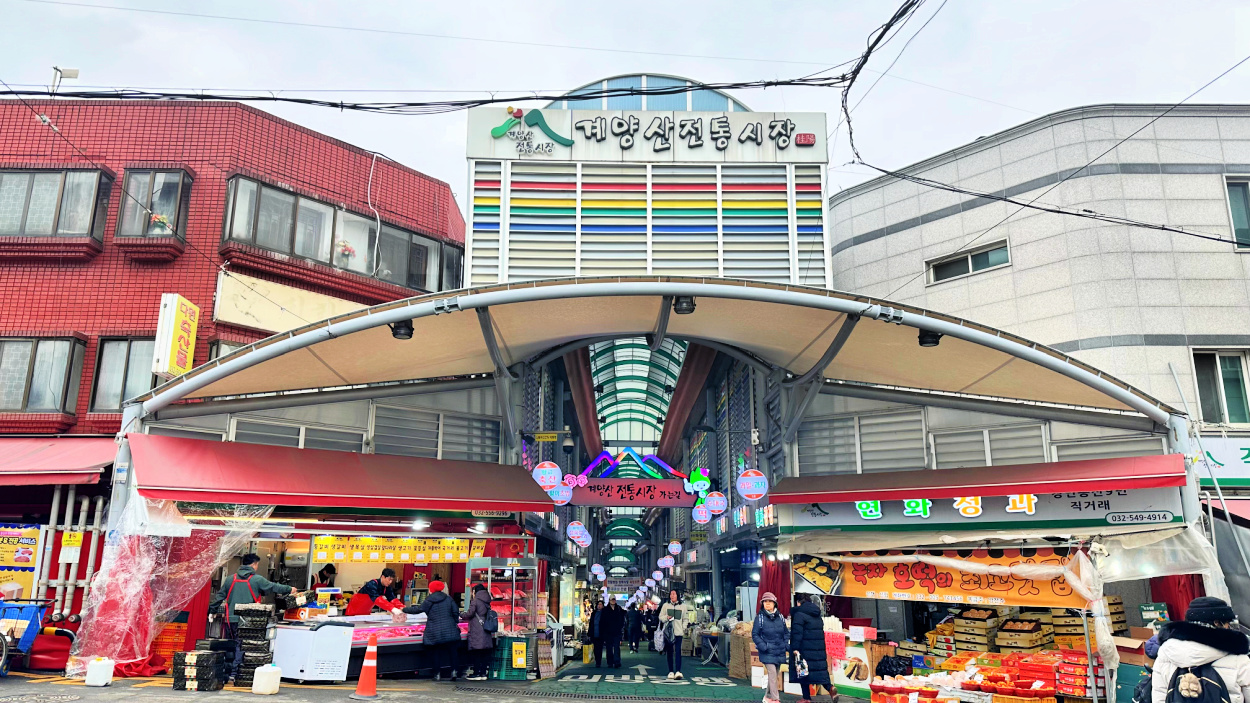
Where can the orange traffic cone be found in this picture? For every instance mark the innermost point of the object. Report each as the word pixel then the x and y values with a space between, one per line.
pixel 367 685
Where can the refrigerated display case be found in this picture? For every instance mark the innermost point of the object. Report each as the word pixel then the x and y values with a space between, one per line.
pixel 512 584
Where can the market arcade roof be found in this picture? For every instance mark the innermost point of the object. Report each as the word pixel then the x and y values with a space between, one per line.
pixel 787 326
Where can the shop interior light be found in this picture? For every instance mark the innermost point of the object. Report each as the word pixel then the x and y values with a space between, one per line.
pixel 755 577
pixel 420 524
pixel 481 526
pixel 772 557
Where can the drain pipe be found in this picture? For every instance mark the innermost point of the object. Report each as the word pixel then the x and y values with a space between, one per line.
pixel 76 615
pixel 65 527
pixel 41 587
pixel 70 567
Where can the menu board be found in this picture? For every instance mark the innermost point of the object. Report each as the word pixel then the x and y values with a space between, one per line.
pixel 395 550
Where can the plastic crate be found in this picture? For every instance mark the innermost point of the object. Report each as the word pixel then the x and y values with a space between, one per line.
pixel 507 674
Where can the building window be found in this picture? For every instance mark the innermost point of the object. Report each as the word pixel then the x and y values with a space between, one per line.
pixel 309 229
pixel 154 204
pixel 251 431
pixel 53 203
pixel 40 375
pixel 1222 395
pixel 123 372
pixel 222 348
pixel 988 257
pixel 1239 207
pixel 996 446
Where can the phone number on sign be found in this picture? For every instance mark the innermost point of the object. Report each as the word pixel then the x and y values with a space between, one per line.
pixel 1142 517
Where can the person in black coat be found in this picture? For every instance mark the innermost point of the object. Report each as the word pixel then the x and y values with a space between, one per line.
pixel 613 626
pixel 596 632
pixel 633 624
pixel 442 630
pixel 807 639
pixel 650 622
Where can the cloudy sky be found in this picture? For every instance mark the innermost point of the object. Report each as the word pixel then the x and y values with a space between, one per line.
pixel 978 68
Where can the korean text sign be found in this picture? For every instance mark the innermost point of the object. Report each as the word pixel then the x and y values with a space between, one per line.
pixel 937 584
pixel 19 553
pixel 395 550
pixel 175 336
pixel 662 493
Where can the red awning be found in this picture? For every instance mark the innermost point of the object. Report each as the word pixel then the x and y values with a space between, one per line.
pixel 1239 509
pixel 1159 471
pixel 50 461
pixel 172 468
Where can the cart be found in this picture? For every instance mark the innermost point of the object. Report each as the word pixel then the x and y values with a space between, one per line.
pixel 20 620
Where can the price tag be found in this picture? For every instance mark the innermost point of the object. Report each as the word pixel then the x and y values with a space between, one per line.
pixel 857 633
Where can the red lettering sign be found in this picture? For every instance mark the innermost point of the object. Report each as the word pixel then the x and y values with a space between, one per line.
pixel 660 493
pixel 805 139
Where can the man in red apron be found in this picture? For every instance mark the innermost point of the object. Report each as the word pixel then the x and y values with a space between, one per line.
pixel 246 586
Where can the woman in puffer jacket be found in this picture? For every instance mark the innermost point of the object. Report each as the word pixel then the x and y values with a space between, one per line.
pixel 1208 635
pixel 771 637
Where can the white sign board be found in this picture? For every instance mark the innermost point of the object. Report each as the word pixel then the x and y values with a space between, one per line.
pixel 646 136
pixel 1228 457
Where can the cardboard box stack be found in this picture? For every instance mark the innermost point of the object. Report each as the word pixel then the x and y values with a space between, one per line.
pixel 201 670
pixel 1021 636
pixel 975 629
pixel 1119 619
pixel 1079 677
pixel 742 654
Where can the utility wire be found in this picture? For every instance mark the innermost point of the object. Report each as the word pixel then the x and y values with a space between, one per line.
pixel 874 40
pixel 43 119
pixel 1027 205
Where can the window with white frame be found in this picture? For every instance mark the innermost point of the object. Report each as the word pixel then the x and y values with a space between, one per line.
pixel 123 371
pixel 154 204
pixel 993 446
pixel 53 203
pixel 297 436
pixel 1221 379
pixel 969 262
pixel 40 375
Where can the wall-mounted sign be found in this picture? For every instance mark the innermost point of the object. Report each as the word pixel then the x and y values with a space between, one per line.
pixel 614 492
pixel 752 484
pixel 176 327
pixel 19 557
pixel 622 584
pixel 637 135
pixel 674 547
pixel 717 502
pixel 395 550
pixel 1150 506
pixel 937 584
pixel 1228 457
pixel 497 514
pixel 698 536
pixel 561 495
pixel 546 436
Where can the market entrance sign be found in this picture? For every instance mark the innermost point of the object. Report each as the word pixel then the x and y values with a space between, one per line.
pixel 1151 506
pixel 937 584
pixel 646 135
pixel 625 492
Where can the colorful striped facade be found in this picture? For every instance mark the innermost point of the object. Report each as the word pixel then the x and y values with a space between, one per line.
pixel 547 219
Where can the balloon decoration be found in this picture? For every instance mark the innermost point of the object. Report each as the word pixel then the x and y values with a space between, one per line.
pixel 601 577
pixel 561 495
pixel 651 582
pixel 717 502
pixel 752 484
pixel 674 547
pixel 701 514
pixel 657 575
pixel 547 474
pixel 596 569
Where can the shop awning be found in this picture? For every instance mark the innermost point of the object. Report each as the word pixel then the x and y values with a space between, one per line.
pixel 1239 509
pixel 172 468
pixel 1159 471
pixel 49 461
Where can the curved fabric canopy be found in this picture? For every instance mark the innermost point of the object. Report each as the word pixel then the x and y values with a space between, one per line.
pixel 790 327
pixel 626 527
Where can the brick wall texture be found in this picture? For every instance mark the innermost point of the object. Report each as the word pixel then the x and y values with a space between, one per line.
pixel 112 295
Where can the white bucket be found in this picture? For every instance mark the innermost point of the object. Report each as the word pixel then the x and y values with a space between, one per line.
pixel 266 680
pixel 100 672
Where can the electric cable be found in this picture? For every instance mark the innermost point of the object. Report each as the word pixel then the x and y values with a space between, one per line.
pixel 43 119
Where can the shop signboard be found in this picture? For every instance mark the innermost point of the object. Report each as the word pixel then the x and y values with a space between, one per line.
pixel 922 582
pixel 19 557
pixel 396 550
pixel 622 584
pixel 1228 458
pixel 717 502
pixel 498 132
pixel 752 484
pixel 1150 506
pixel 176 327
pixel 628 492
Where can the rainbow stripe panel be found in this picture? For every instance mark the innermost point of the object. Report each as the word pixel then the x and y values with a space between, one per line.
pixel 810 214
pixel 755 216
pixel 484 248
pixel 683 220
pixel 614 219
pixel 542 220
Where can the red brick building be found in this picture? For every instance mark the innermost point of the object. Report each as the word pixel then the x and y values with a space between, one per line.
pixel 124 201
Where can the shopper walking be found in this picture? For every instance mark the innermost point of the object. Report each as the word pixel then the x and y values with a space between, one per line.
pixel 807 641
pixel 650 621
pixel 246 586
pixel 674 613
pixel 771 637
pixel 633 625
pixel 613 625
pixel 442 630
pixel 596 632
pixel 481 642
pixel 1208 635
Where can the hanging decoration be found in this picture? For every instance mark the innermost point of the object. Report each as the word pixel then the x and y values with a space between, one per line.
pixel 674 547
pixel 701 514
pixel 699 480
pixel 601 577
pixel 596 569
pixel 547 475
pixel 717 502
pixel 575 480
pixel 666 562
pixel 651 582
pixel 657 575
pixel 561 495
pixel 753 484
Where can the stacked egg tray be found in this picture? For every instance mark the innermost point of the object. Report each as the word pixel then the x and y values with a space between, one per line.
pixel 201 670
pixel 255 633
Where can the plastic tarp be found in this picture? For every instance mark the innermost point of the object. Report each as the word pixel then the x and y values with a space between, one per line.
pixel 1133 557
pixel 153 566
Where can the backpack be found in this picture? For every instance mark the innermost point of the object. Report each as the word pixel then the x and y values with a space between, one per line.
pixel 1143 692
pixel 1197 684
pixel 490 623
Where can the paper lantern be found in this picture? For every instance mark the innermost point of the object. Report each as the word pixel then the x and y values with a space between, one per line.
pixel 547 474
pixel 674 547
pixel 601 577
pixel 596 569
pixel 701 514
pixel 657 575
pixel 717 502
pixel 752 484
pixel 561 495
pixel 651 582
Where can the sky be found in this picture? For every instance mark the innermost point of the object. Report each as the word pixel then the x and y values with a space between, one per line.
pixel 979 67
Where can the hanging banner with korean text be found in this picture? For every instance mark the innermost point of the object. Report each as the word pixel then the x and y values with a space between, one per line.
pixel 19 557
pixel 626 492
pixel 395 550
pixel 938 584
